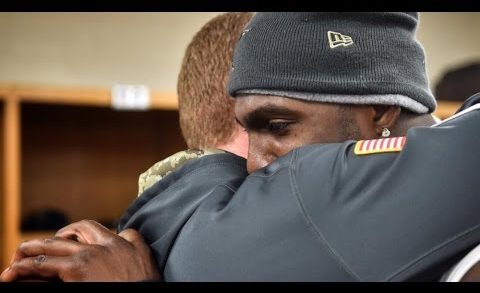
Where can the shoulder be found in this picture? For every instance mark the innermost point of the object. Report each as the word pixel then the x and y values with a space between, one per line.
pixel 166 166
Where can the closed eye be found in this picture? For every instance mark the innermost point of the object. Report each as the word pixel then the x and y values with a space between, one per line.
pixel 269 119
pixel 278 127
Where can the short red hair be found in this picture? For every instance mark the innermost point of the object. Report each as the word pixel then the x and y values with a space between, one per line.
pixel 206 110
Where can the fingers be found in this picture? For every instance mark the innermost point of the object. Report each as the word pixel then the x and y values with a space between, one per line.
pixel 49 246
pixel 86 231
pixel 38 266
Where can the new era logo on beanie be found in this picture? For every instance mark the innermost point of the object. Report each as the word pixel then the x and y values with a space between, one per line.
pixel 355 58
pixel 337 39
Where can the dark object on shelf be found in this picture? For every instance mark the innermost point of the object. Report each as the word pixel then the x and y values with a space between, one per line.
pixel 459 83
pixel 45 219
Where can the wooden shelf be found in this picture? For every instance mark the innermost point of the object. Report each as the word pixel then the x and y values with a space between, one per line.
pixel 3 203
pixel 79 96
pixel 66 148
pixel 446 109
pixel 75 156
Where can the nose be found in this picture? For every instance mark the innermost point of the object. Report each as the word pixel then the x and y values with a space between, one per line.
pixel 259 155
pixel 255 162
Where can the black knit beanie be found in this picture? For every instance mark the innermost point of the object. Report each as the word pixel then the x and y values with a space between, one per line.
pixel 355 58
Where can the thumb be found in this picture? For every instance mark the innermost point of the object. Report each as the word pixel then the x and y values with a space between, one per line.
pixel 141 247
pixel 133 237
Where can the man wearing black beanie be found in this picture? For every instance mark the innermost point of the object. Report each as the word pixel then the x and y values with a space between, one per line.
pixel 349 75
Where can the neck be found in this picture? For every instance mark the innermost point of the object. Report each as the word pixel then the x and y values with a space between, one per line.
pixel 409 120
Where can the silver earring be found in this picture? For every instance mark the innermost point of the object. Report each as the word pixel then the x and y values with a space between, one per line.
pixel 385 132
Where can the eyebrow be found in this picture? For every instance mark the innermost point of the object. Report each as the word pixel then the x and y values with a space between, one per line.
pixel 265 111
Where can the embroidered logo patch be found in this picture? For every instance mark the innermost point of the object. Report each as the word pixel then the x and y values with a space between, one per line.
pixel 337 39
pixel 381 145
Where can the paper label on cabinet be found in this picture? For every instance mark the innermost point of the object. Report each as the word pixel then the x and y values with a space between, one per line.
pixel 130 97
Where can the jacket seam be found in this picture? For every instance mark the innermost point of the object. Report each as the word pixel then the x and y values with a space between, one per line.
pixel 311 226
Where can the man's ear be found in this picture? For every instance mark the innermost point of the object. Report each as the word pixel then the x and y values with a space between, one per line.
pixel 385 117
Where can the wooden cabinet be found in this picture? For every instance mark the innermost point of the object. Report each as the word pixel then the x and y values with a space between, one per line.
pixel 67 149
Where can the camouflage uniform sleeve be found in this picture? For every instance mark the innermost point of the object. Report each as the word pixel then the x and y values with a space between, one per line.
pixel 166 166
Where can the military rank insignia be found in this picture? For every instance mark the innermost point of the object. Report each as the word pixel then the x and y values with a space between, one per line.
pixel 381 145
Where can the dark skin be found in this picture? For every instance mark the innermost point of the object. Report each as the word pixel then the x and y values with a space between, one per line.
pixel 84 251
pixel 87 251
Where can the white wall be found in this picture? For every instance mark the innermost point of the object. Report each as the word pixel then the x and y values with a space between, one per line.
pixel 96 49
pixel 99 49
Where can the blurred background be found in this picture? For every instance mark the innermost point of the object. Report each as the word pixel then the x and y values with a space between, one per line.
pixel 99 49
pixel 68 152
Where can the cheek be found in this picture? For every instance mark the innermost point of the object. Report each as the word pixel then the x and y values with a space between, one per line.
pixel 268 148
pixel 321 133
pixel 286 144
pixel 308 136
